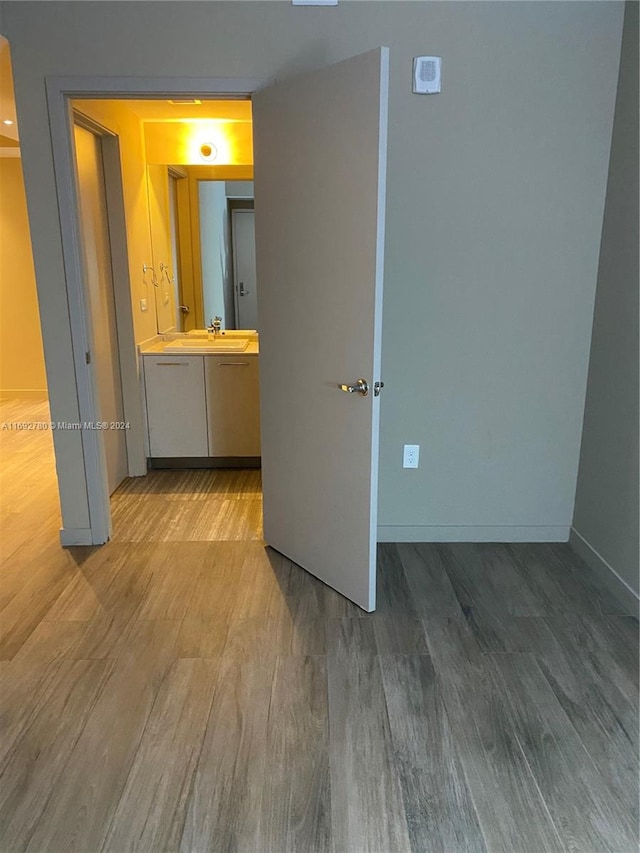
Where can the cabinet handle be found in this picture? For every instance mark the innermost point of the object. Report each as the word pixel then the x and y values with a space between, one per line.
pixel 172 363
pixel 233 364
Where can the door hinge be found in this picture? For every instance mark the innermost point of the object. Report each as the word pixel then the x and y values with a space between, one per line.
pixel 87 357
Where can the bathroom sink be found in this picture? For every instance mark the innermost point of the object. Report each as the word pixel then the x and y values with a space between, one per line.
pixel 196 345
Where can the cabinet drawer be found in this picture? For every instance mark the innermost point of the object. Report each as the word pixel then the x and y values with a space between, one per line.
pixel 176 407
pixel 233 405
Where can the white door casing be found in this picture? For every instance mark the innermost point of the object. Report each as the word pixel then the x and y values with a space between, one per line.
pixel 320 171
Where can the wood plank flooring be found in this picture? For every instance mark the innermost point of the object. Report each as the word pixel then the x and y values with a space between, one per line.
pixel 209 505
pixel 184 688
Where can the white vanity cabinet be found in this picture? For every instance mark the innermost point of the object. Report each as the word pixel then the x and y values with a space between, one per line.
pixel 233 404
pixel 176 405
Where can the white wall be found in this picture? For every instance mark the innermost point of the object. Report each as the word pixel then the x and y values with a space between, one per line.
pixel 607 514
pixel 494 210
pixel 217 285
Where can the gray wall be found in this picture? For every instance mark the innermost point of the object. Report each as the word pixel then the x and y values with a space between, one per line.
pixel 606 513
pixel 239 189
pixel 494 212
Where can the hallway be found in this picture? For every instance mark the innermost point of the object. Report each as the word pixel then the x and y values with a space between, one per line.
pixel 171 692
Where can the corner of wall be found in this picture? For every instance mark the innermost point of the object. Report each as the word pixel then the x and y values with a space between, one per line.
pixel 605 531
pixel 627 597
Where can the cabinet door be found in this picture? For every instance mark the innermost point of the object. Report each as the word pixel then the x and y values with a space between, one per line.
pixel 176 409
pixel 233 405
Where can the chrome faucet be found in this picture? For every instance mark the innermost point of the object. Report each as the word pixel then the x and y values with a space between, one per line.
pixel 214 326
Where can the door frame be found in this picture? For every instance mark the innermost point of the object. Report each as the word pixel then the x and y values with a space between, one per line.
pixel 59 92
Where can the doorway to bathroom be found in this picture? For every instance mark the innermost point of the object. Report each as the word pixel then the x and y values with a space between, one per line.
pixel 201 422
pixel 320 181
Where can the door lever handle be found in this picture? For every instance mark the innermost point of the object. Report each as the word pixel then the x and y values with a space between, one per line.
pixel 361 387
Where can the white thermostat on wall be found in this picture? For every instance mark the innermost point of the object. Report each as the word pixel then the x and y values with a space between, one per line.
pixel 427 78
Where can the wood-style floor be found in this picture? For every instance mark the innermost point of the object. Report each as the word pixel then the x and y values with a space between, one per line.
pixel 184 688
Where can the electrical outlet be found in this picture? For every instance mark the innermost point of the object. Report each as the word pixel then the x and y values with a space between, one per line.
pixel 411 456
pixel 143 304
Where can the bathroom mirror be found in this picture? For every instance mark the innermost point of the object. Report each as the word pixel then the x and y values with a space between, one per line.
pixel 203 242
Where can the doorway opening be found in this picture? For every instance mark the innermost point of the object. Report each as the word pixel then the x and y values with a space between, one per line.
pixel 183 186
pixel 320 142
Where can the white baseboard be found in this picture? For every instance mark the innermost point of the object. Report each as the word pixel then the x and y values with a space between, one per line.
pixel 24 393
pixel 75 536
pixel 472 533
pixel 615 584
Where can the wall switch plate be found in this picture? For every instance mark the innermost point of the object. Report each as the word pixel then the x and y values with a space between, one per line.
pixel 411 456
pixel 143 304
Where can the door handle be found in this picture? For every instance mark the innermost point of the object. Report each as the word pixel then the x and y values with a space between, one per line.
pixel 361 387
pixel 184 308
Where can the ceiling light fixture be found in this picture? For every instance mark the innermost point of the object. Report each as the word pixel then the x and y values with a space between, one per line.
pixel 7 121
pixel 208 151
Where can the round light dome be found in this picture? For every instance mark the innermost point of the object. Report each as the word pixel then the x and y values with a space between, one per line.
pixel 208 151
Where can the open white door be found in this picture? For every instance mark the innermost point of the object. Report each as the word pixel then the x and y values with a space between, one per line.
pixel 320 163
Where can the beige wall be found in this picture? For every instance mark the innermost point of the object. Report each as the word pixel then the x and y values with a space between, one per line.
pixel 494 212
pixel 606 515
pixel 163 261
pixel 22 372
